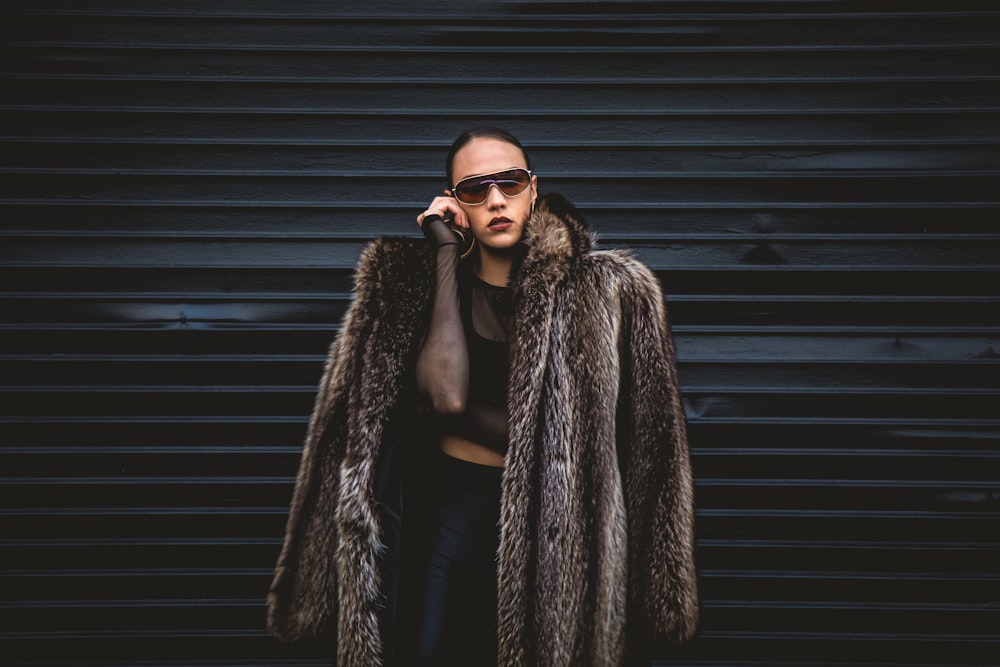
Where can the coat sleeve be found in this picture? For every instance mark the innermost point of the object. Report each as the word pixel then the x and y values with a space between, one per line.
pixel 656 469
pixel 302 601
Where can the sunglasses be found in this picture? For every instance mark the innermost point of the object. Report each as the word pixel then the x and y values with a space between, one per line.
pixel 475 189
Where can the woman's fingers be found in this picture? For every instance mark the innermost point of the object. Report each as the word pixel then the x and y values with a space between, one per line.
pixel 447 208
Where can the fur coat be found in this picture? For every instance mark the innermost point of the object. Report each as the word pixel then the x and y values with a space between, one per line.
pixel 596 551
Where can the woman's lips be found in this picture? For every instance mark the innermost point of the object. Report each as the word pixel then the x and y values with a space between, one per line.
pixel 500 224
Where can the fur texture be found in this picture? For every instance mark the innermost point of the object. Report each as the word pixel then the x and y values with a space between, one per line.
pixel 596 555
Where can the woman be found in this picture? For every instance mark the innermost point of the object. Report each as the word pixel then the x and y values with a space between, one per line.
pixel 496 469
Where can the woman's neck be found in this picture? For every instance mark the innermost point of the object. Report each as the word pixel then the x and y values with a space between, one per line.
pixel 493 267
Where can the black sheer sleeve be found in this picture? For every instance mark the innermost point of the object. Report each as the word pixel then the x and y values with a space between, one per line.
pixel 443 360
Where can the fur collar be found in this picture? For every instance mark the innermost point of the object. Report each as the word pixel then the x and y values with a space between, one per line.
pixel 555 238
pixel 556 230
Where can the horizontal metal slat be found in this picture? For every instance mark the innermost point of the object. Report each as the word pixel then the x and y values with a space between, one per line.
pixel 964 314
pixel 786 255
pixel 694 344
pixel 95 158
pixel 411 64
pixel 748 29
pixel 789 404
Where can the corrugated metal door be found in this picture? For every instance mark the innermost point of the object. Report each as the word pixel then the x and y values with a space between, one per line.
pixel 185 189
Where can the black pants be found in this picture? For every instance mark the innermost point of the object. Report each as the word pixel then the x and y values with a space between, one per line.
pixel 449 610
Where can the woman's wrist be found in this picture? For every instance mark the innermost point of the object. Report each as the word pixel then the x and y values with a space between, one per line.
pixel 437 233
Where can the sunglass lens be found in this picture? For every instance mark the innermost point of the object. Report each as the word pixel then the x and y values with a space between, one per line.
pixel 512 182
pixel 472 191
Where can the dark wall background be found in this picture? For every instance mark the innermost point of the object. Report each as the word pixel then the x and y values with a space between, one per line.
pixel 185 189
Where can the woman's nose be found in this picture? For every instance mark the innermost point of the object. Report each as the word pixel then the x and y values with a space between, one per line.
pixel 494 197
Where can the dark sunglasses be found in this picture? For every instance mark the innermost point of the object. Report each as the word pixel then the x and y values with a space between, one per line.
pixel 475 189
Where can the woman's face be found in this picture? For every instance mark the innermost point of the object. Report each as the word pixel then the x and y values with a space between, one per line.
pixel 497 223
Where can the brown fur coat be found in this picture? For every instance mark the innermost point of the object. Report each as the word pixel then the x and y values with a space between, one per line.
pixel 596 553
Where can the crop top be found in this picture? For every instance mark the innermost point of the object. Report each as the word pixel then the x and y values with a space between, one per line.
pixel 462 364
pixel 486 311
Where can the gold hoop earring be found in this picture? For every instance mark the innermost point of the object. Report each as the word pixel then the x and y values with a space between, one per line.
pixel 467 245
pixel 472 246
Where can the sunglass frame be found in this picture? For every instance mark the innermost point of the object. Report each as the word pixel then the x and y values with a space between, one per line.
pixel 492 181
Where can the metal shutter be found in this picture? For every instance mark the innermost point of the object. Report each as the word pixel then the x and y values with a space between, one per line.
pixel 186 186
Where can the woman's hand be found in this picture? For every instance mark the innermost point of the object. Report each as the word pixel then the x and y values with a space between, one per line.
pixel 448 209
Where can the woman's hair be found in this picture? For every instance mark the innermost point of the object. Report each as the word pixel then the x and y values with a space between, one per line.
pixel 482 132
